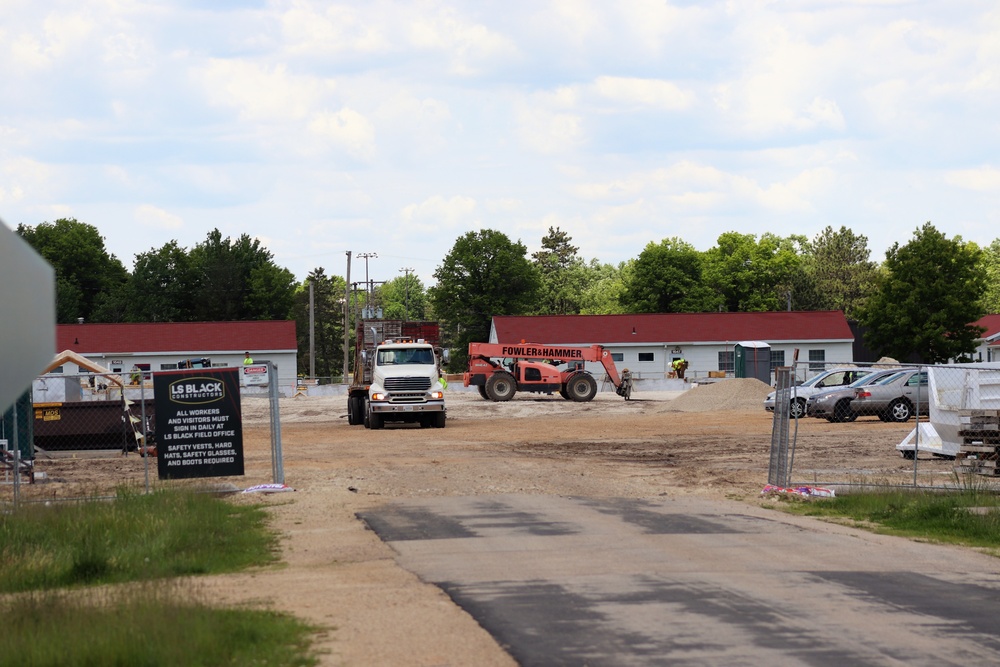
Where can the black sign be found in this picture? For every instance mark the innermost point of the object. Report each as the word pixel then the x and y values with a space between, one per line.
pixel 199 427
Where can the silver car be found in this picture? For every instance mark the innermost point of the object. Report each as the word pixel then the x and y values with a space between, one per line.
pixel 894 398
pixel 834 377
pixel 834 405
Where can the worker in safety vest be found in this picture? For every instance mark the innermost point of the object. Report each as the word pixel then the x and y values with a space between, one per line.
pixel 247 360
pixel 680 365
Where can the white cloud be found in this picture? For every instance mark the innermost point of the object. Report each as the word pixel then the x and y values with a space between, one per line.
pixel 647 93
pixel 154 217
pixel 548 131
pixel 261 92
pixel 471 47
pixel 437 213
pixel 26 180
pixel 698 187
pixel 981 179
pixel 319 28
pixel 52 40
pixel 348 129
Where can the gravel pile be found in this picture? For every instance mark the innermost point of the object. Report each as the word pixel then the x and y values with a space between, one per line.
pixel 734 394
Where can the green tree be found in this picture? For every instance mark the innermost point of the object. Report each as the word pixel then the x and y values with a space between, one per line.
pixel 751 274
pixel 990 267
pixel 160 288
pixel 927 299
pixel 87 276
pixel 238 280
pixel 668 278
pixel 604 287
pixel 403 298
pixel 327 320
pixel 484 274
pixel 842 276
pixel 562 272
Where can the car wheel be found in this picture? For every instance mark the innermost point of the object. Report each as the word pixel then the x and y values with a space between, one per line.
pixel 797 409
pixel 900 410
pixel 842 412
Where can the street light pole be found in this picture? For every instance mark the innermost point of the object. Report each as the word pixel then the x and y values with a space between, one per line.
pixel 406 291
pixel 347 312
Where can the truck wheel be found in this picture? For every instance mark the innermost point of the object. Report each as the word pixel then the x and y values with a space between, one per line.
pixel 501 387
pixel 581 387
pixel 355 410
pixel 373 420
pixel 900 410
pixel 439 419
pixel 482 392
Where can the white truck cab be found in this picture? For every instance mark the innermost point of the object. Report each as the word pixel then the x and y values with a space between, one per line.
pixel 405 385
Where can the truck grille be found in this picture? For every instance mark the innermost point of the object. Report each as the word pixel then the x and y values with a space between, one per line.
pixel 407 384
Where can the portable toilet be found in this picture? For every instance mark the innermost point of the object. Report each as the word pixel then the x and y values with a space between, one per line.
pixel 753 360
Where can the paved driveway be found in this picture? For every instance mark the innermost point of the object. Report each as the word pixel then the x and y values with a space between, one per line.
pixel 570 581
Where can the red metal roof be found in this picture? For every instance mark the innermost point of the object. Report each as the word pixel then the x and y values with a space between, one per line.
pixel 991 323
pixel 675 327
pixel 271 335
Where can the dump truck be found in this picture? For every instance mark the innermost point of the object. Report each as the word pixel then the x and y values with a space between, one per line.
pixel 397 375
pixel 500 370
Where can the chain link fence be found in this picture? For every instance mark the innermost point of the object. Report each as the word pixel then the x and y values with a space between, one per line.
pixel 80 436
pixel 886 424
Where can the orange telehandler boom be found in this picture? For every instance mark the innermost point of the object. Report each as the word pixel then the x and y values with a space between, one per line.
pixel 534 367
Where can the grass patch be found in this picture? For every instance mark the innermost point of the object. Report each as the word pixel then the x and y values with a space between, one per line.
pixel 968 516
pixel 135 537
pixel 148 626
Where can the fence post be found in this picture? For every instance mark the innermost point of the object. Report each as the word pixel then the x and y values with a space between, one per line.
pixel 273 390
pixel 777 470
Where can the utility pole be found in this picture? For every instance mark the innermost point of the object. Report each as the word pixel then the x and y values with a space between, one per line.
pixel 406 287
pixel 347 312
pixel 312 330
pixel 368 300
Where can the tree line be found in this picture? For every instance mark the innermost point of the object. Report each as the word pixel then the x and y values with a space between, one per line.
pixel 918 303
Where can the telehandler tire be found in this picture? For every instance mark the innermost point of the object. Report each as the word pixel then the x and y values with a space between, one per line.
pixel 501 386
pixel 581 387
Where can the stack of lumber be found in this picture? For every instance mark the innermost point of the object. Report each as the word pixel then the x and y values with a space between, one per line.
pixel 980 448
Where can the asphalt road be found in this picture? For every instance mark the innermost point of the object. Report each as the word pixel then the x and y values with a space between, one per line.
pixel 688 581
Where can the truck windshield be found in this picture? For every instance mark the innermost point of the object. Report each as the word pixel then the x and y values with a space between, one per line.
pixel 421 355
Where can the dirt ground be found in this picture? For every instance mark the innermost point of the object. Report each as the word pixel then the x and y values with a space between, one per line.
pixel 713 440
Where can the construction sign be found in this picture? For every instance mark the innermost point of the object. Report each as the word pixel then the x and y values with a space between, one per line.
pixel 255 375
pixel 199 426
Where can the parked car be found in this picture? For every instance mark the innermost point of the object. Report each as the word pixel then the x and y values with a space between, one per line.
pixel 834 405
pixel 894 398
pixel 834 377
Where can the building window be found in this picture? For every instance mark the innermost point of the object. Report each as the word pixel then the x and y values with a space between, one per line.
pixel 727 361
pixel 777 358
pixel 645 356
pixel 817 360
pixel 168 367
pixel 618 356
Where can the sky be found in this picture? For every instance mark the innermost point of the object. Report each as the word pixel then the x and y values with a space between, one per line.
pixel 391 129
